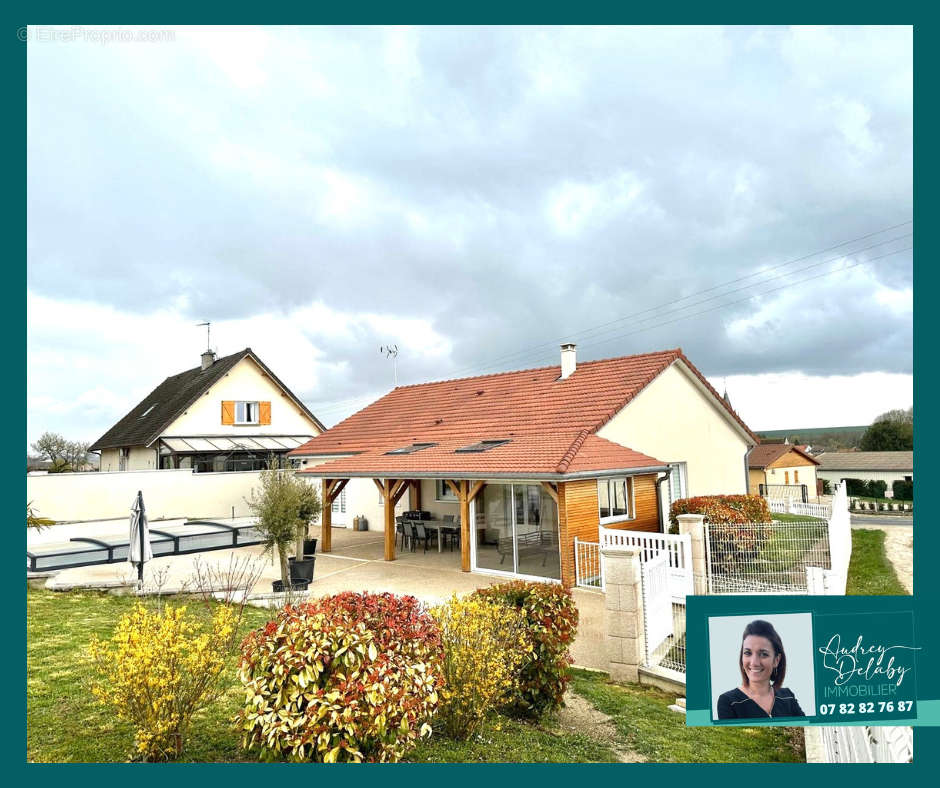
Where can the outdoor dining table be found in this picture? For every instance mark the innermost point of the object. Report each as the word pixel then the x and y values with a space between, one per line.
pixel 436 525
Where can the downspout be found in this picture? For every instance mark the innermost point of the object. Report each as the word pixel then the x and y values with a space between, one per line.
pixel 659 502
pixel 747 470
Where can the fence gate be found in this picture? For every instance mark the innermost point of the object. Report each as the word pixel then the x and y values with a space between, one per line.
pixel 657 602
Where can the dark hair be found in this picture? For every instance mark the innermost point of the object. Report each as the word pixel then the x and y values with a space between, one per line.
pixel 765 629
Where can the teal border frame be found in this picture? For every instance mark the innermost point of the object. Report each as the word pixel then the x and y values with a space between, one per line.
pixel 927 598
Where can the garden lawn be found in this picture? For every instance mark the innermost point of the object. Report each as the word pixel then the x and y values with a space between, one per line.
pixel 870 571
pixel 65 723
pixel 783 517
pixel 646 726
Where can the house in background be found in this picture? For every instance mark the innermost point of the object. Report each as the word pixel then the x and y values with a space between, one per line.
pixel 528 461
pixel 227 414
pixel 776 470
pixel 886 466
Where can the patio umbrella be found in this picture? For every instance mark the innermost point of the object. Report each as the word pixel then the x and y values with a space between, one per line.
pixel 139 551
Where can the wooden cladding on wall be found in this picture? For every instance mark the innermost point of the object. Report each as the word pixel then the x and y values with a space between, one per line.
pixel 644 496
pixel 577 517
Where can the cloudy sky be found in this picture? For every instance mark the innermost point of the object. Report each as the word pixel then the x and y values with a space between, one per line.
pixel 473 196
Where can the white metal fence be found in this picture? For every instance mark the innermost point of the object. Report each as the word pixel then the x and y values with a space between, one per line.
pixel 764 558
pixel 677 547
pixel 864 744
pixel 588 566
pixel 790 506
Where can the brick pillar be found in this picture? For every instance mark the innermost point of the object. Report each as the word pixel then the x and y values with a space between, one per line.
pixel 624 614
pixel 694 525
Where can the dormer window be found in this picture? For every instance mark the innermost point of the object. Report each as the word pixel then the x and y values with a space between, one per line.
pixel 476 448
pixel 247 412
pixel 412 448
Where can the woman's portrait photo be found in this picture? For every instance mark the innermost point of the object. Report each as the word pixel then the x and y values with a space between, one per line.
pixel 762 668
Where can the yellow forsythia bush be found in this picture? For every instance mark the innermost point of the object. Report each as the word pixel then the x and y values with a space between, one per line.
pixel 160 668
pixel 484 646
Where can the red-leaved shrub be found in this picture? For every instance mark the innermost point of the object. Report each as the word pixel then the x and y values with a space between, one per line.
pixel 722 509
pixel 351 677
pixel 551 622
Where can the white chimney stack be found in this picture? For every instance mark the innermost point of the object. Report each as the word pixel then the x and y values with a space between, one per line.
pixel 568 359
pixel 208 359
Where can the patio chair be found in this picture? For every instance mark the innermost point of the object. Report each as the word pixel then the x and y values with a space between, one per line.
pixel 400 528
pixel 449 532
pixel 419 533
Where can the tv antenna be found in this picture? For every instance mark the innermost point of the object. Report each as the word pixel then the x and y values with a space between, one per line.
pixel 208 344
pixel 391 351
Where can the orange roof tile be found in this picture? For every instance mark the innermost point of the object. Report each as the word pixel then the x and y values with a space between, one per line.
pixel 550 423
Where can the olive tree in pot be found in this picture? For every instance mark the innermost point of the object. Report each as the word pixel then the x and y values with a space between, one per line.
pixel 277 504
pixel 310 509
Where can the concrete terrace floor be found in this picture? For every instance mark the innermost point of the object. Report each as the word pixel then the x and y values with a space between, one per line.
pixel 356 563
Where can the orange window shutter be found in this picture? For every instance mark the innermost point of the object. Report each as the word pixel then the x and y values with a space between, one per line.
pixel 264 411
pixel 796 477
pixel 228 412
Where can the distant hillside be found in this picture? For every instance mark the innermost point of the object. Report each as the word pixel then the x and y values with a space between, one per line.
pixel 820 438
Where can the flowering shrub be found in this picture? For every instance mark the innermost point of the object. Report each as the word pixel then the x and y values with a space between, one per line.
pixel 484 645
pixel 722 509
pixel 551 622
pixel 159 669
pixel 353 677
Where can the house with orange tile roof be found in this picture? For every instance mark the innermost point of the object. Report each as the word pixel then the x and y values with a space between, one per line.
pixel 527 461
pixel 779 470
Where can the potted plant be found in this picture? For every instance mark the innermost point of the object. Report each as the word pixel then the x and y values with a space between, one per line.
pixel 308 509
pixel 276 504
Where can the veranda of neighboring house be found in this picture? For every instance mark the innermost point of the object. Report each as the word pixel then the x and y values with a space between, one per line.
pixel 528 461
pixel 227 414
pixel 773 465
pixel 886 466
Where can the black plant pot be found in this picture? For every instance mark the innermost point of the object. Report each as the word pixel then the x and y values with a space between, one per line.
pixel 296 584
pixel 310 547
pixel 302 570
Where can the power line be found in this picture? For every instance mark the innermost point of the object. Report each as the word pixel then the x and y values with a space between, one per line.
pixel 519 353
pixel 757 284
pixel 755 295
pixel 332 406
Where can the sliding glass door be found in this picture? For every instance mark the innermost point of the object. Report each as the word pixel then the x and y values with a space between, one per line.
pixel 517 527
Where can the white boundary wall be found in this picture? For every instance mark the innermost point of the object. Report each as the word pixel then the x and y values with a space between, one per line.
pixel 76 497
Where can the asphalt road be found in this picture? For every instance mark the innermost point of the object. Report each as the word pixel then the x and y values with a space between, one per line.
pixel 874 519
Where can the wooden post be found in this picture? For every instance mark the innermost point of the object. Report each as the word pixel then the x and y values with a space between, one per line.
pixel 389 521
pixel 326 519
pixel 464 498
pixel 415 494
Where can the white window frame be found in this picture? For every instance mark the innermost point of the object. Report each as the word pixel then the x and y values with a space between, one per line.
pixel 443 493
pixel 245 407
pixel 339 503
pixel 629 497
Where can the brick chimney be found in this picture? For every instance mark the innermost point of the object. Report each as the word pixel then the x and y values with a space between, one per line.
pixel 568 359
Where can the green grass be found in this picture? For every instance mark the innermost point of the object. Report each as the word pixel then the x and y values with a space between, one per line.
pixel 870 572
pixel 65 723
pixel 645 724
pixel 783 517
pixel 504 740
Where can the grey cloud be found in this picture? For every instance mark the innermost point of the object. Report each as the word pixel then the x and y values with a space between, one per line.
pixel 738 147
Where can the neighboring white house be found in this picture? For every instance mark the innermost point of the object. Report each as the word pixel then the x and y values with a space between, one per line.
pixel 227 414
pixel 886 466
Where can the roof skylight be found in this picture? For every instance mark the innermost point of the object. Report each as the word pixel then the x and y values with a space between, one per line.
pixel 148 410
pixel 476 448
pixel 412 448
